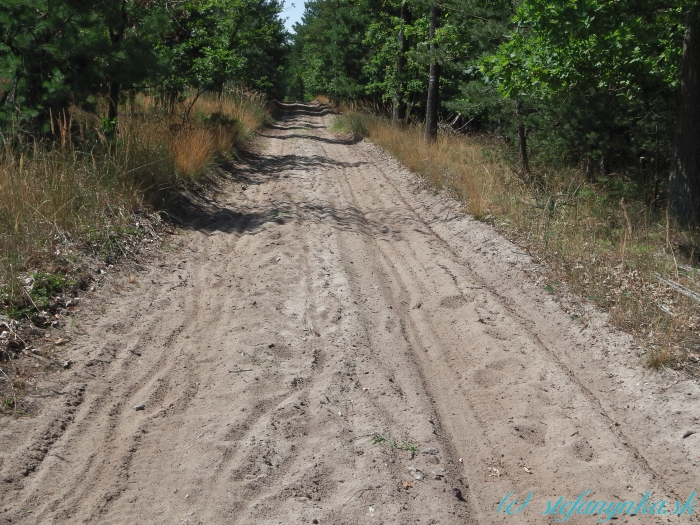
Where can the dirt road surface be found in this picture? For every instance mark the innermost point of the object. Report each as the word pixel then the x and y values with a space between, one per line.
pixel 319 334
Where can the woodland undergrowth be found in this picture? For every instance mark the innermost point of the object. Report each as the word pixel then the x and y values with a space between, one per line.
pixel 85 190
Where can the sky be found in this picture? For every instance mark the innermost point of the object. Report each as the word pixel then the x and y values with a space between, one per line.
pixel 293 9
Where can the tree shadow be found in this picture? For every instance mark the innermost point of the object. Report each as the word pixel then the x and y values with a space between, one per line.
pixel 197 211
pixel 343 141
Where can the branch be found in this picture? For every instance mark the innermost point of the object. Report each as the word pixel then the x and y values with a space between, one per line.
pixel 442 6
pixel 679 288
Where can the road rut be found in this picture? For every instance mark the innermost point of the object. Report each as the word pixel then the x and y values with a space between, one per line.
pixel 323 338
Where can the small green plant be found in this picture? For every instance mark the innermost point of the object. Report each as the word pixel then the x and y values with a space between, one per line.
pixel 7 403
pixel 22 304
pixel 405 444
pixel 378 439
pixel 45 285
pixel 109 126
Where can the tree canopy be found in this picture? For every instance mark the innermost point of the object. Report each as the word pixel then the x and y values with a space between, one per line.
pixel 54 53
pixel 593 83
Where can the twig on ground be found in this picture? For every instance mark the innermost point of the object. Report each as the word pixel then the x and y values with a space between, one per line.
pixel 680 288
pixel 356 493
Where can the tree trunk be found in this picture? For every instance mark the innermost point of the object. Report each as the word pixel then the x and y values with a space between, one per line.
pixel 522 140
pixel 684 182
pixel 116 35
pixel 399 113
pixel 3 97
pixel 113 97
pixel 172 101
pixel 433 103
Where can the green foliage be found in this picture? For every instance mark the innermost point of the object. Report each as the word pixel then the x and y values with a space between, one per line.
pixel 597 78
pixel 405 444
pixel 331 49
pixel 629 47
pixel 37 297
pixel 45 285
pixel 61 53
pixel 594 82
pixel 217 41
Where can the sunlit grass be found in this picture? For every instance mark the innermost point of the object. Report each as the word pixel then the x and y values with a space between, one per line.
pixel 603 239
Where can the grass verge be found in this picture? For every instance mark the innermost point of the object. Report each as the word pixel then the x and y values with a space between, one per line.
pixel 92 192
pixel 603 239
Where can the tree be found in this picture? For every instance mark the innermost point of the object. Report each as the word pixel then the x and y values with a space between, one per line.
pixel 219 41
pixel 600 76
pixel 59 53
pixel 433 103
pixel 684 182
pixel 399 110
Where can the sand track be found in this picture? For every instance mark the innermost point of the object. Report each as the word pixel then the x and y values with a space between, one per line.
pixel 328 306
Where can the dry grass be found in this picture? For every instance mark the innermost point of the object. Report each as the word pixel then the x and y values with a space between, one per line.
pixel 57 198
pixel 194 149
pixel 604 241
pixel 466 168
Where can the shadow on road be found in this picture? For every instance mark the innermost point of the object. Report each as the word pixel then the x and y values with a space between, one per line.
pixel 205 214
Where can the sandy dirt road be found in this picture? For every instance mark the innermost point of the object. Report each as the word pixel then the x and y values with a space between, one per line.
pixel 312 330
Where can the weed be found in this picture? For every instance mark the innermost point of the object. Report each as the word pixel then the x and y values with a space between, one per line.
pixel 378 439
pixel 661 357
pixel 7 403
pixel 405 444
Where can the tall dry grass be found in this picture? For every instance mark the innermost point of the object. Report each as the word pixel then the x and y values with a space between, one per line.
pixel 602 239
pixel 58 197
pixel 471 170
